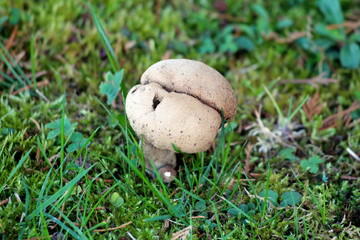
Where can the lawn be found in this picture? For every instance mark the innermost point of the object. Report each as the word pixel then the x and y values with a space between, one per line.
pixel 286 167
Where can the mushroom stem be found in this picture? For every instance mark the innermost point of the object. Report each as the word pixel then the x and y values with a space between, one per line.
pixel 164 160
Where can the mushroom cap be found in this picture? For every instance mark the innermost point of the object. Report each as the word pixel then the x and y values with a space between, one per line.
pixel 164 118
pixel 196 79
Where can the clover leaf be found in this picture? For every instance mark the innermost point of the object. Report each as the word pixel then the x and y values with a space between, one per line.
pixel 78 141
pixel 271 195
pixel 288 153
pixel 56 126
pixel 311 164
pixel 112 85
pixel 290 198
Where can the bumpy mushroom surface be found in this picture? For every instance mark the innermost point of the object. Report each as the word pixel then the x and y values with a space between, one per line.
pixel 179 102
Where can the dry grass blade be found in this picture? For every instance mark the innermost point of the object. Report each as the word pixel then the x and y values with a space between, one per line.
pixel 157 10
pixel 353 154
pixel 11 40
pixel 182 234
pixel 31 86
pixel 349 25
pixel 291 38
pixel 313 106
pixel 349 177
pixel 315 81
pixel 248 165
pixel 114 228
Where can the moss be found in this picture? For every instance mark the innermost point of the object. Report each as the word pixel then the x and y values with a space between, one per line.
pixel 67 47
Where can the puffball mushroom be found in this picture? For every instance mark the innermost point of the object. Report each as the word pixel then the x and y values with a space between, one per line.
pixel 179 102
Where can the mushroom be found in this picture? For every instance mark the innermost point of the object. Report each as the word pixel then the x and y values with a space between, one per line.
pixel 179 102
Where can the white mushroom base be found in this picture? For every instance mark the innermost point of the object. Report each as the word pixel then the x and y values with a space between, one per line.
pixel 163 160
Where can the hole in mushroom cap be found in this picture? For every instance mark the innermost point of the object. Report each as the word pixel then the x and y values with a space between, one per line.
pixel 156 101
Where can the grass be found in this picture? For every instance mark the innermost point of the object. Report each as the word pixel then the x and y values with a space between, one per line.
pixel 260 181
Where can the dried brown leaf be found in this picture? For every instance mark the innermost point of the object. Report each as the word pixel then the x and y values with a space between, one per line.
pixel 337 119
pixel 313 106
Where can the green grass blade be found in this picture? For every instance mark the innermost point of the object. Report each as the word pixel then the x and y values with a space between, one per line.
pixel 12 70
pixel 159 194
pixel 8 78
pixel 62 139
pixel 265 203
pixel 27 204
pixel 64 226
pixel 78 231
pixel 43 187
pixel 32 58
pixel 298 108
pixel 105 41
pixel 282 119
pixel 22 160
pixel 58 194
pixel 5 54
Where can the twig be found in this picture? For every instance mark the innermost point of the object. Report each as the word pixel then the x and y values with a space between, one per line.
pixel 348 177
pixel 37 75
pixel 38 84
pixel 115 228
pixel 315 81
pixel 98 179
